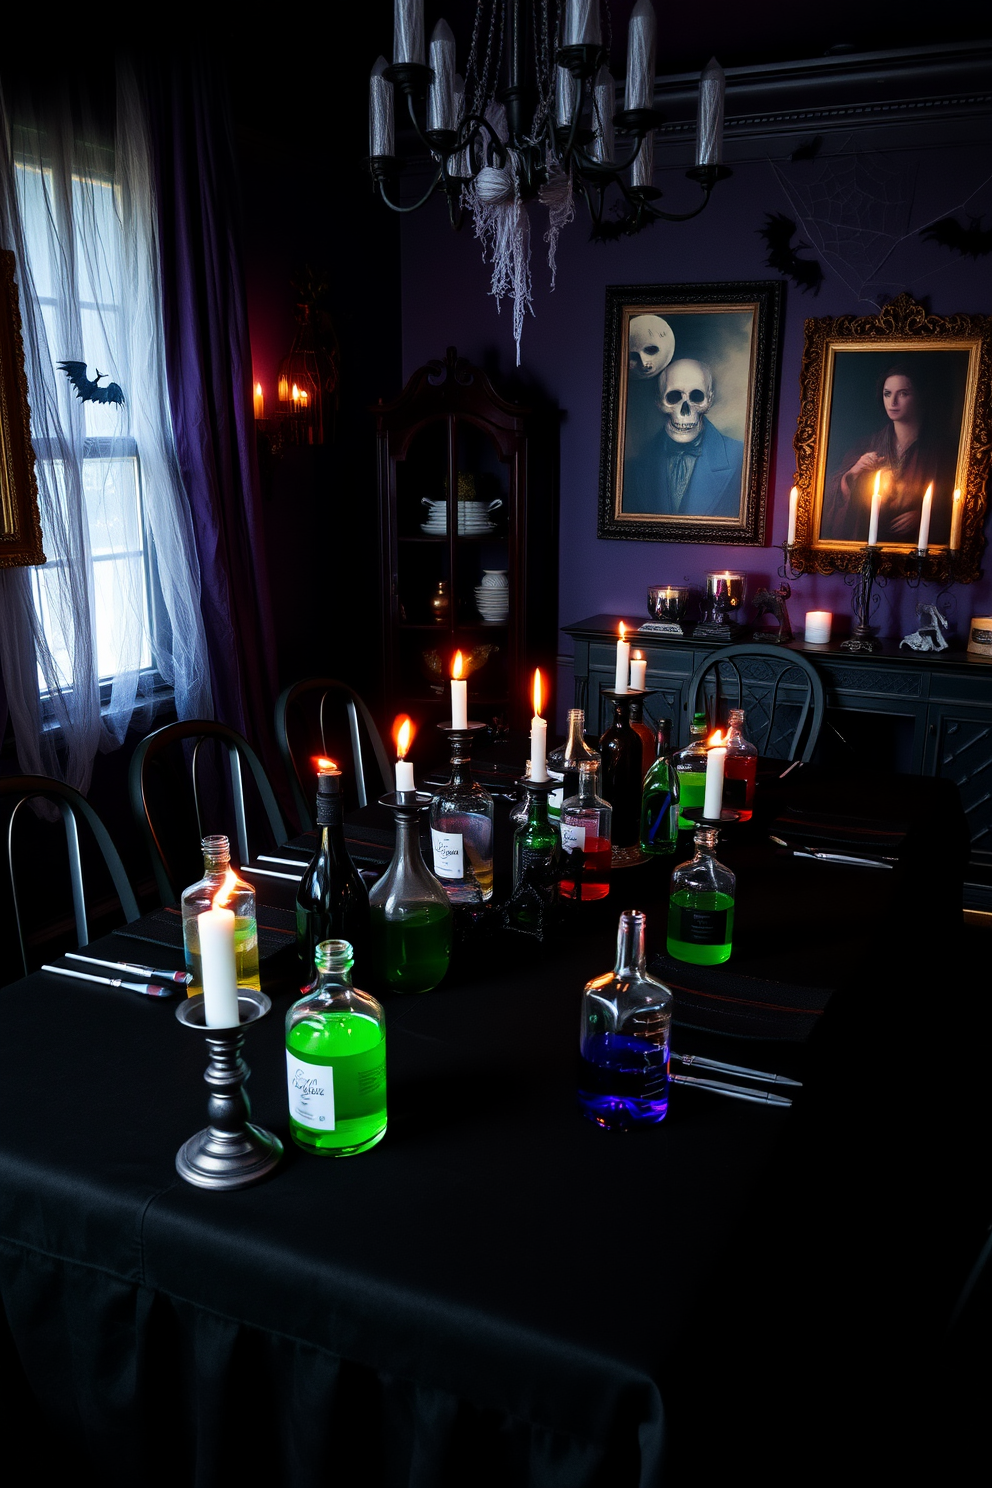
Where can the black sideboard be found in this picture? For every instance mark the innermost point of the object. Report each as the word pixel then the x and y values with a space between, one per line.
pixel 915 712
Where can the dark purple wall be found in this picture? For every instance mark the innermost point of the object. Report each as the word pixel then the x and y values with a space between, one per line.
pixel 445 301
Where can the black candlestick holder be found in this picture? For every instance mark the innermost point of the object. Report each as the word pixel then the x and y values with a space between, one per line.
pixel 787 569
pixel 229 1153
pixel 865 602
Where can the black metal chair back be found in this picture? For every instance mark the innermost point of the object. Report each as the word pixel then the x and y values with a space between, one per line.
pixel 359 722
pixel 209 814
pixel 72 807
pixel 780 691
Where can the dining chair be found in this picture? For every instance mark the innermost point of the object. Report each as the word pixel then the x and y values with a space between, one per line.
pixel 780 691
pixel 321 728
pixel 72 808
pixel 159 790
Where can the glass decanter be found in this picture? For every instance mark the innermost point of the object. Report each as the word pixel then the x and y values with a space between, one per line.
pixel 461 818
pixel 563 762
pixel 411 917
pixel 220 882
pixel 690 766
pixel 586 828
pixel 659 799
pixel 701 905
pixel 336 1060
pixel 624 1038
pixel 740 767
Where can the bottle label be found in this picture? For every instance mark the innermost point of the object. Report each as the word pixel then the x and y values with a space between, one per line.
pixel 704 926
pixel 572 837
pixel 329 808
pixel 449 854
pixel 311 1093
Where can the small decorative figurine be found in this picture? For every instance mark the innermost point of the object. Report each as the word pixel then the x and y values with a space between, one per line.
pixel 930 635
pixel 772 602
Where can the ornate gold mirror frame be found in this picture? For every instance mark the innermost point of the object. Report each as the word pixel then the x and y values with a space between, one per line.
pixel 896 402
pixel 20 523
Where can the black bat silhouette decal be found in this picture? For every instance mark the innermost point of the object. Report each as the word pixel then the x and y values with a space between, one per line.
pixel 88 391
pixel 973 241
pixel 778 232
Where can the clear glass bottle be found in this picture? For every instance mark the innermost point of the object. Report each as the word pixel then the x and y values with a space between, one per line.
pixel 701 905
pixel 645 735
pixel 690 766
pixel 410 913
pixel 461 819
pixel 586 828
pixel 563 762
pixel 623 1042
pixel 660 799
pixel 740 768
pixel 332 902
pixel 622 774
pixel 220 879
pixel 536 860
pixel 336 1060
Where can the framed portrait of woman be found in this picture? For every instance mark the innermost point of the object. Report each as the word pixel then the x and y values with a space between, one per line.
pixel 688 397
pixel 894 407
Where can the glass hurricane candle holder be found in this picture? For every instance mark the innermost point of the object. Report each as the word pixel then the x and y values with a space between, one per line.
pixel 725 595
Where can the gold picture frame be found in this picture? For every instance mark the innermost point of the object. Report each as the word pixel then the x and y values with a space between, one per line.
pixel 853 430
pixel 20 520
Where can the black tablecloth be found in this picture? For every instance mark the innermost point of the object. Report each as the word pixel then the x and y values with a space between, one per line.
pixel 500 1293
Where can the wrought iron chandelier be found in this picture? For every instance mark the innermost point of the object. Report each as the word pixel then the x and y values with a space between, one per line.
pixel 534 120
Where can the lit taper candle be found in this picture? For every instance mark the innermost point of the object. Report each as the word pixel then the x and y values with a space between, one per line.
pixel 219 967
pixel 876 502
pixel 638 671
pixel 403 738
pixel 459 694
pixel 923 541
pixel 538 733
pixel 623 661
pixel 957 512
pixel 716 758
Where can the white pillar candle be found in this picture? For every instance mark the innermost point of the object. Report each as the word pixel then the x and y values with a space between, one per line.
pixel 818 625
pixel 459 695
pixel 538 736
pixel 623 662
pixel 876 501
pixel 219 970
pixel 639 91
pixel 793 513
pixel 408 31
pixel 638 671
pixel 381 130
pixel 923 541
pixel 957 512
pixel 716 758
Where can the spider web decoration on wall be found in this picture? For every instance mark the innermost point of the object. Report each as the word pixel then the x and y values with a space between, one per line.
pixel 856 210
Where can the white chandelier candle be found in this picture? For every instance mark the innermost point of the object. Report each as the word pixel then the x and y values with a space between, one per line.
pixel 639 92
pixel 709 127
pixel 381 129
pixel 408 31
pixel 604 97
pixel 582 27
pixel 441 94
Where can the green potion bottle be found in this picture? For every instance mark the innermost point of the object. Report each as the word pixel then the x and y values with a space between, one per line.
pixel 690 764
pixel 411 916
pixel 701 905
pixel 660 799
pixel 336 1060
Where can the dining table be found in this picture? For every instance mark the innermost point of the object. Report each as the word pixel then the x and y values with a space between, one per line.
pixel 501 1292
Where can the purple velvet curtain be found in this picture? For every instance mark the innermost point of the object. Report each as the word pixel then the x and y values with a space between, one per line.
pixel 209 373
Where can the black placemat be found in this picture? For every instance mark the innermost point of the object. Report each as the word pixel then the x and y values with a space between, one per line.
pixel 276 930
pixel 717 1000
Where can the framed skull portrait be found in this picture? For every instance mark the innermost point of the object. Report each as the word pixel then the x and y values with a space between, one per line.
pixel 689 386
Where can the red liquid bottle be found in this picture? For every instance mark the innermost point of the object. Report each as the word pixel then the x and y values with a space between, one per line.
pixel 740 768
pixel 585 828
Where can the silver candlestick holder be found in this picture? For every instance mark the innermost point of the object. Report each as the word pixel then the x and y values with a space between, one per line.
pixel 229 1153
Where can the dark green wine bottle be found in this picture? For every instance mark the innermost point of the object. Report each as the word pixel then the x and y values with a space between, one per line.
pixel 332 902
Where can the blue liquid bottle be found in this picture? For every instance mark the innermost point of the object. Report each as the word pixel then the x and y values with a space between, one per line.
pixel 626 1023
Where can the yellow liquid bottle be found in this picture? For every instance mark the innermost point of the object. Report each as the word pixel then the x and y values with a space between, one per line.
pixel 221 885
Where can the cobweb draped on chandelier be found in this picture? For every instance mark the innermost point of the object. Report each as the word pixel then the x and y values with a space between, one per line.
pixel 533 121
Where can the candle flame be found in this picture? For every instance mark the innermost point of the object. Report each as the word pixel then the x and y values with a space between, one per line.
pixel 223 895
pixel 258 390
pixel 623 631
pixel 402 735
pixel 636 656
pixel 878 481
pixel 296 393
pixel 538 692
pixel 928 493
pixel 325 766
pixel 957 495
pixel 458 666
pixel 716 740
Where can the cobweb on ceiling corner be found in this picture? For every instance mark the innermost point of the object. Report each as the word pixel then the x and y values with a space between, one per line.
pixel 855 211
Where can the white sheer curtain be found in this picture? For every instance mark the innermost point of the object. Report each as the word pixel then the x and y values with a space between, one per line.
pixel 119 597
